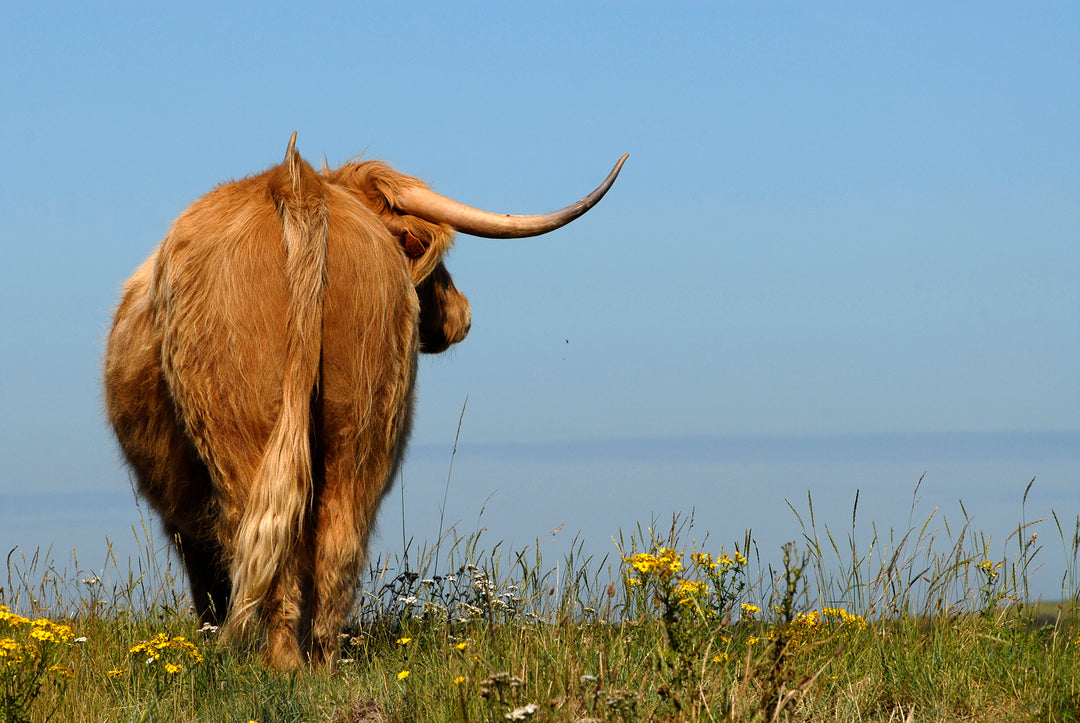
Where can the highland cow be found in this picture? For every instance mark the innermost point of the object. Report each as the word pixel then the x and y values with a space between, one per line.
pixel 259 377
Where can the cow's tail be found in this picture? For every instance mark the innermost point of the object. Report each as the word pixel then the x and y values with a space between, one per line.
pixel 281 495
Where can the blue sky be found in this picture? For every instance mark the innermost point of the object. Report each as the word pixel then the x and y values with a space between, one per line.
pixel 836 219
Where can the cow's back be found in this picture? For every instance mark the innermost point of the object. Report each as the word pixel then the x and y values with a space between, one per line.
pixel 221 302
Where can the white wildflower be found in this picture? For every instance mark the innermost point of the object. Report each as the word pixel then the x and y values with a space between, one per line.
pixel 525 711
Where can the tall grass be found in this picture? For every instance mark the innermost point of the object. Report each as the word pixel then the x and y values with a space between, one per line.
pixel 926 623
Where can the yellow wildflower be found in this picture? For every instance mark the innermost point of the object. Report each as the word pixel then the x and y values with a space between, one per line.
pixel 44 635
pixel 703 560
pixel 62 671
pixel 161 642
pixel 49 632
pixel 403 675
pixel 811 619
pixel 688 590
pixel 989 569
pixel 14 651
pixel 13 620
pixel 459 680
pixel 664 563
pixel 669 561
pixel 846 618
pixel 403 641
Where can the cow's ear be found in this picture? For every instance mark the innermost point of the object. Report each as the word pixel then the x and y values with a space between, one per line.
pixel 414 247
pixel 423 242
pixel 378 187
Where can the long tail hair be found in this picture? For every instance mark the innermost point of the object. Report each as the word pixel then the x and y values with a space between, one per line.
pixel 274 517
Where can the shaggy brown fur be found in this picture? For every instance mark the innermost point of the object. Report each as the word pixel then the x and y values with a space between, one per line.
pixel 259 376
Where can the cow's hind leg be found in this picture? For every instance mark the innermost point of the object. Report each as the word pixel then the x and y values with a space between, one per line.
pixel 357 475
pixel 346 511
pixel 361 416
pixel 286 614
pixel 207 574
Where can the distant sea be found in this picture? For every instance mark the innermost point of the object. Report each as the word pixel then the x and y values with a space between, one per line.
pixel 549 494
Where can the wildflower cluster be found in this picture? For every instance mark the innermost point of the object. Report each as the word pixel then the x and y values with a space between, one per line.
pixel 691 598
pixel 708 588
pixel 814 622
pixel 690 592
pixel 461 597
pixel 40 630
pixel 727 573
pixel 665 563
pixel 172 654
pixel 27 651
pixel 723 562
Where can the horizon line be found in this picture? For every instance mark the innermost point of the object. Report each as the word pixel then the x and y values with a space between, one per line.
pixel 774 447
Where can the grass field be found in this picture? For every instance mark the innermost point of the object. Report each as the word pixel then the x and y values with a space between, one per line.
pixel 922 627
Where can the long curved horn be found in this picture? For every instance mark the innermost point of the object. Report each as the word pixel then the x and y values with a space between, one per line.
pixel 431 206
